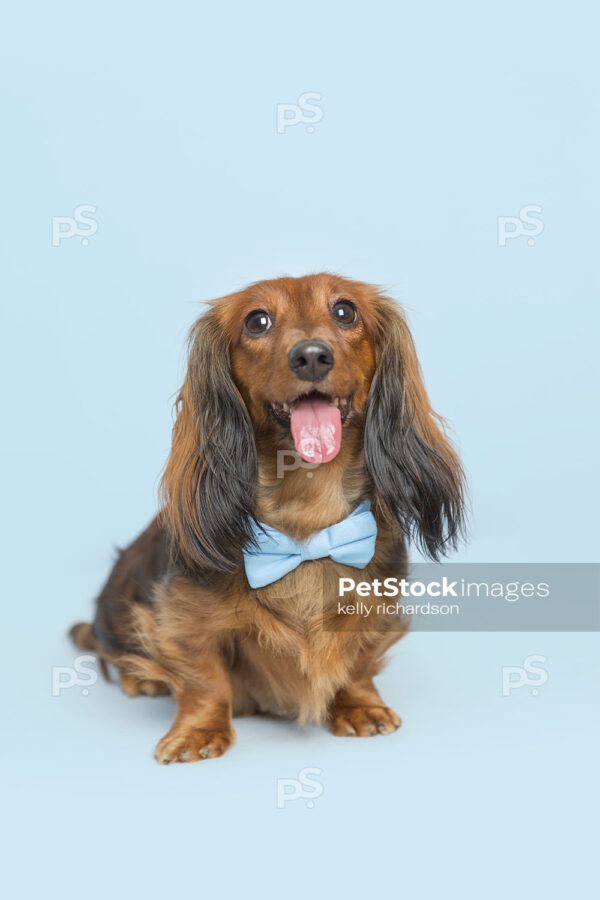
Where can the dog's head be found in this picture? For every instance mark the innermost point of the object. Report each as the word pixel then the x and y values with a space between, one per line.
pixel 304 362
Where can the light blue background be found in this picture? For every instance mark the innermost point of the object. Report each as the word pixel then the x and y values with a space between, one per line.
pixel 437 119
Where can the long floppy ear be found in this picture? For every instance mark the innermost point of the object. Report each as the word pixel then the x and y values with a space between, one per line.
pixel 417 476
pixel 210 477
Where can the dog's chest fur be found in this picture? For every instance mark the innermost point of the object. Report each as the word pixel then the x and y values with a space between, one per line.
pixel 298 652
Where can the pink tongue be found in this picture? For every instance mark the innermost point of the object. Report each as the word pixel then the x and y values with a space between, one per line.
pixel 317 430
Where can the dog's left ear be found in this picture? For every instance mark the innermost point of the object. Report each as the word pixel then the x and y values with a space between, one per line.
pixel 416 473
pixel 210 477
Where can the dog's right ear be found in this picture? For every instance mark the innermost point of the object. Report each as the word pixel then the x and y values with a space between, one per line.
pixel 208 483
pixel 416 473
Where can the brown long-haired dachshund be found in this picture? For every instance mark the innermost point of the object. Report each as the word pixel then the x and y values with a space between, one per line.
pixel 302 405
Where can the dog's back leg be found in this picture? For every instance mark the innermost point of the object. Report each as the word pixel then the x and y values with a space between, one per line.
pixel 133 683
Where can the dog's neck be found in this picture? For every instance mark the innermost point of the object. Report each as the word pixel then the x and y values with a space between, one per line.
pixel 298 498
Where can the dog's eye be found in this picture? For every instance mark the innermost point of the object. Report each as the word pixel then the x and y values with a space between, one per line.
pixel 258 322
pixel 344 312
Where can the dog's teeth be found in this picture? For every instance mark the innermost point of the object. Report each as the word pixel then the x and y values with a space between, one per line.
pixel 336 401
pixel 286 408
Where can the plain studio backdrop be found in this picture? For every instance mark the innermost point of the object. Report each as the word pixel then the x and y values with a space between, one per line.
pixel 158 155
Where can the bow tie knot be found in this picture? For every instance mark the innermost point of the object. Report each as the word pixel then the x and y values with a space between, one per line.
pixel 351 542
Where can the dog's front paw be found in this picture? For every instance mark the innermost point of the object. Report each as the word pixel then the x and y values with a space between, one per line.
pixel 363 721
pixel 191 744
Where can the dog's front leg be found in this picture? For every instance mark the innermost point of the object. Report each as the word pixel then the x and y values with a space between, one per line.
pixel 358 711
pixel 202 728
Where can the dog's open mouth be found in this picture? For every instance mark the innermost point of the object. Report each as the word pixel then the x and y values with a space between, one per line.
pixel 315 421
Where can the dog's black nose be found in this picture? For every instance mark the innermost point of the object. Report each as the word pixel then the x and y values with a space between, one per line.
pixel 311 360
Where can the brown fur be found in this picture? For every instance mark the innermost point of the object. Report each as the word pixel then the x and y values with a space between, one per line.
pixel 177 613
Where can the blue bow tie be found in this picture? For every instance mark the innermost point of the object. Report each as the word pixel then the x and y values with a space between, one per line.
pixel 351 542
